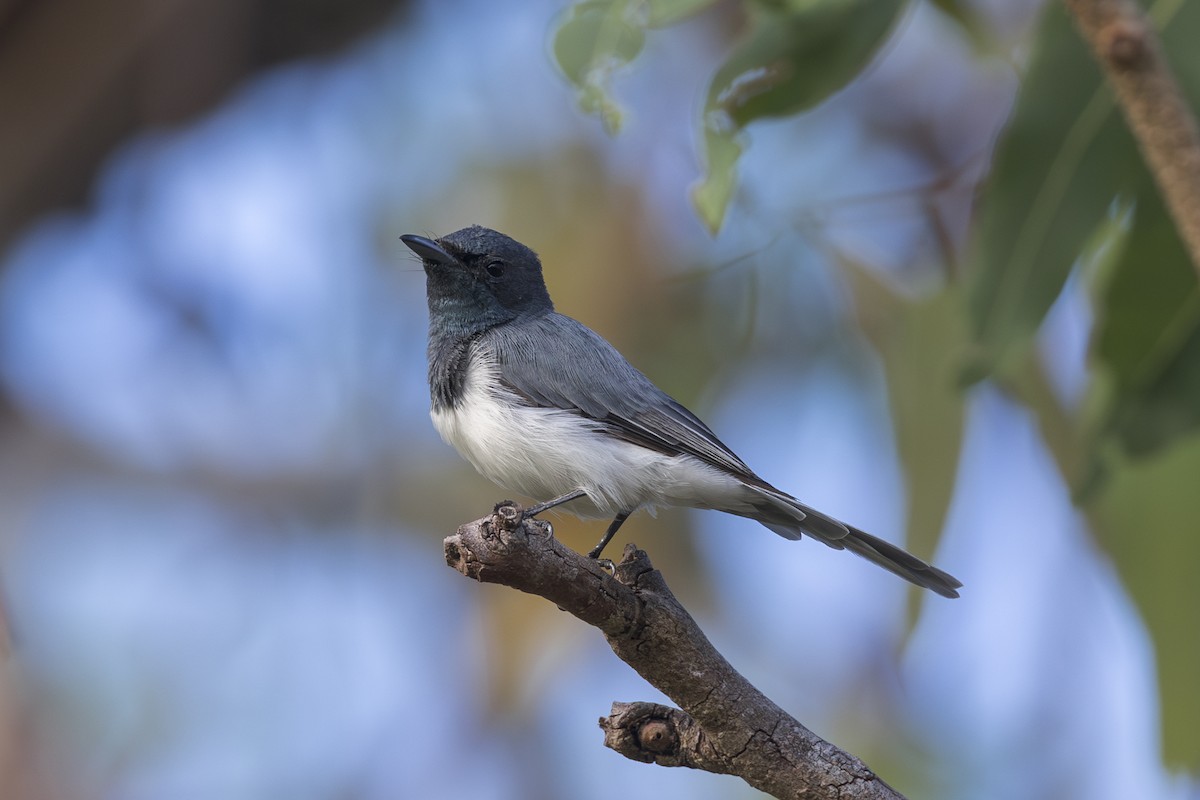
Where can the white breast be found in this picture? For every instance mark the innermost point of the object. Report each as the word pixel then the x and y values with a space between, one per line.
pixel 543 453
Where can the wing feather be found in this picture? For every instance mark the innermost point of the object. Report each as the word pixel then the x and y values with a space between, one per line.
pixel 553 361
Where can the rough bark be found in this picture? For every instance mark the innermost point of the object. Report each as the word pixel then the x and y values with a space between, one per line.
pixel 1127 47
pixel 725 725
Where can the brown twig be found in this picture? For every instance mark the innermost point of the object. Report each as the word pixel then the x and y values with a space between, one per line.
pixel 725 726
pixel 1126 45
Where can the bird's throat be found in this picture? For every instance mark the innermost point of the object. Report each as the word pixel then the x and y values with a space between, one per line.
pixel 449 359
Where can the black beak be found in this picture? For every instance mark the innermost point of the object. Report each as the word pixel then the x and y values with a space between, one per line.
pixel 427 249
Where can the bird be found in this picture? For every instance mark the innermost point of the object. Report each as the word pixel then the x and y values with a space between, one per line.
pixel 542 405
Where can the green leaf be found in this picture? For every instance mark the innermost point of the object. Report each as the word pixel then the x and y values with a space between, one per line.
pixel 1063 158
pixel 661 13
pixel 965 14
pixel 918 342
pixel 593 40
pixel 1147 520
pixel 1147 340
pixel 1145 414
pixel 798 54
pixel 961 11
pixel 927 409
pixel 722 148
pixel 1105 248
pixel 1147 334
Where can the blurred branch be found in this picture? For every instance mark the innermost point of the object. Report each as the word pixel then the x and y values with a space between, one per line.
pixel 5 633
pixel 725 726
pixel 1127 47
pixel 78 77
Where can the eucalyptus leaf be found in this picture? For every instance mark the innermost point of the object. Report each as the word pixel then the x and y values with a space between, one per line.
pixel 722 149
pixel 798 54
pixel 1147 334
pixel 1066 157
pixel 1147 520
pixel 795 56
pixel 1063 158
pixel 667 12
pixel 594 39
pixel 918 343
pixel 965 14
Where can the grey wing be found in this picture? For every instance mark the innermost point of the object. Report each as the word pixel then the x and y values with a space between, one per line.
pixel 553 361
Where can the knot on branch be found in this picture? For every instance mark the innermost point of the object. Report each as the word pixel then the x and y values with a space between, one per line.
pixel 635 571
pixel 658 736
pixel 1123 42
pixel 651 733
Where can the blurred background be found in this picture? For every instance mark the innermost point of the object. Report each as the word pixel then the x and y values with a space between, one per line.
pixel 222 501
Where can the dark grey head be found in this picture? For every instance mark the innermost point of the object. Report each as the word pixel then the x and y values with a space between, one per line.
pixel 477 278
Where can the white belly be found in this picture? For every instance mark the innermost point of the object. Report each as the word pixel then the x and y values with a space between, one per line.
pixel 543 453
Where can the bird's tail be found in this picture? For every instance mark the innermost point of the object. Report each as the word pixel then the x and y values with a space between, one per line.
pixel 790 518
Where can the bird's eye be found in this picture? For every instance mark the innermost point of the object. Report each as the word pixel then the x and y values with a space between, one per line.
pixel 495 268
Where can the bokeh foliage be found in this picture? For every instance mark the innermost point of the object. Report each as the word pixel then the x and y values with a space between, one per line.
pixel 1067 194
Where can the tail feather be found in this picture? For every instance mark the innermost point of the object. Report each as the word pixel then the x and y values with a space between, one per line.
pixel 789 518
pixel 902 563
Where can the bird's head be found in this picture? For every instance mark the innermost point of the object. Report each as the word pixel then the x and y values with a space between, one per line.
pixel 477 277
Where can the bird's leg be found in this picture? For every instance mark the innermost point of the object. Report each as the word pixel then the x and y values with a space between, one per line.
pixel 533 511
pixel 617 522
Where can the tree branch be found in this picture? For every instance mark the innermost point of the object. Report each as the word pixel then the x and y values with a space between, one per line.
pixel 1127 47
pixel 726 725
